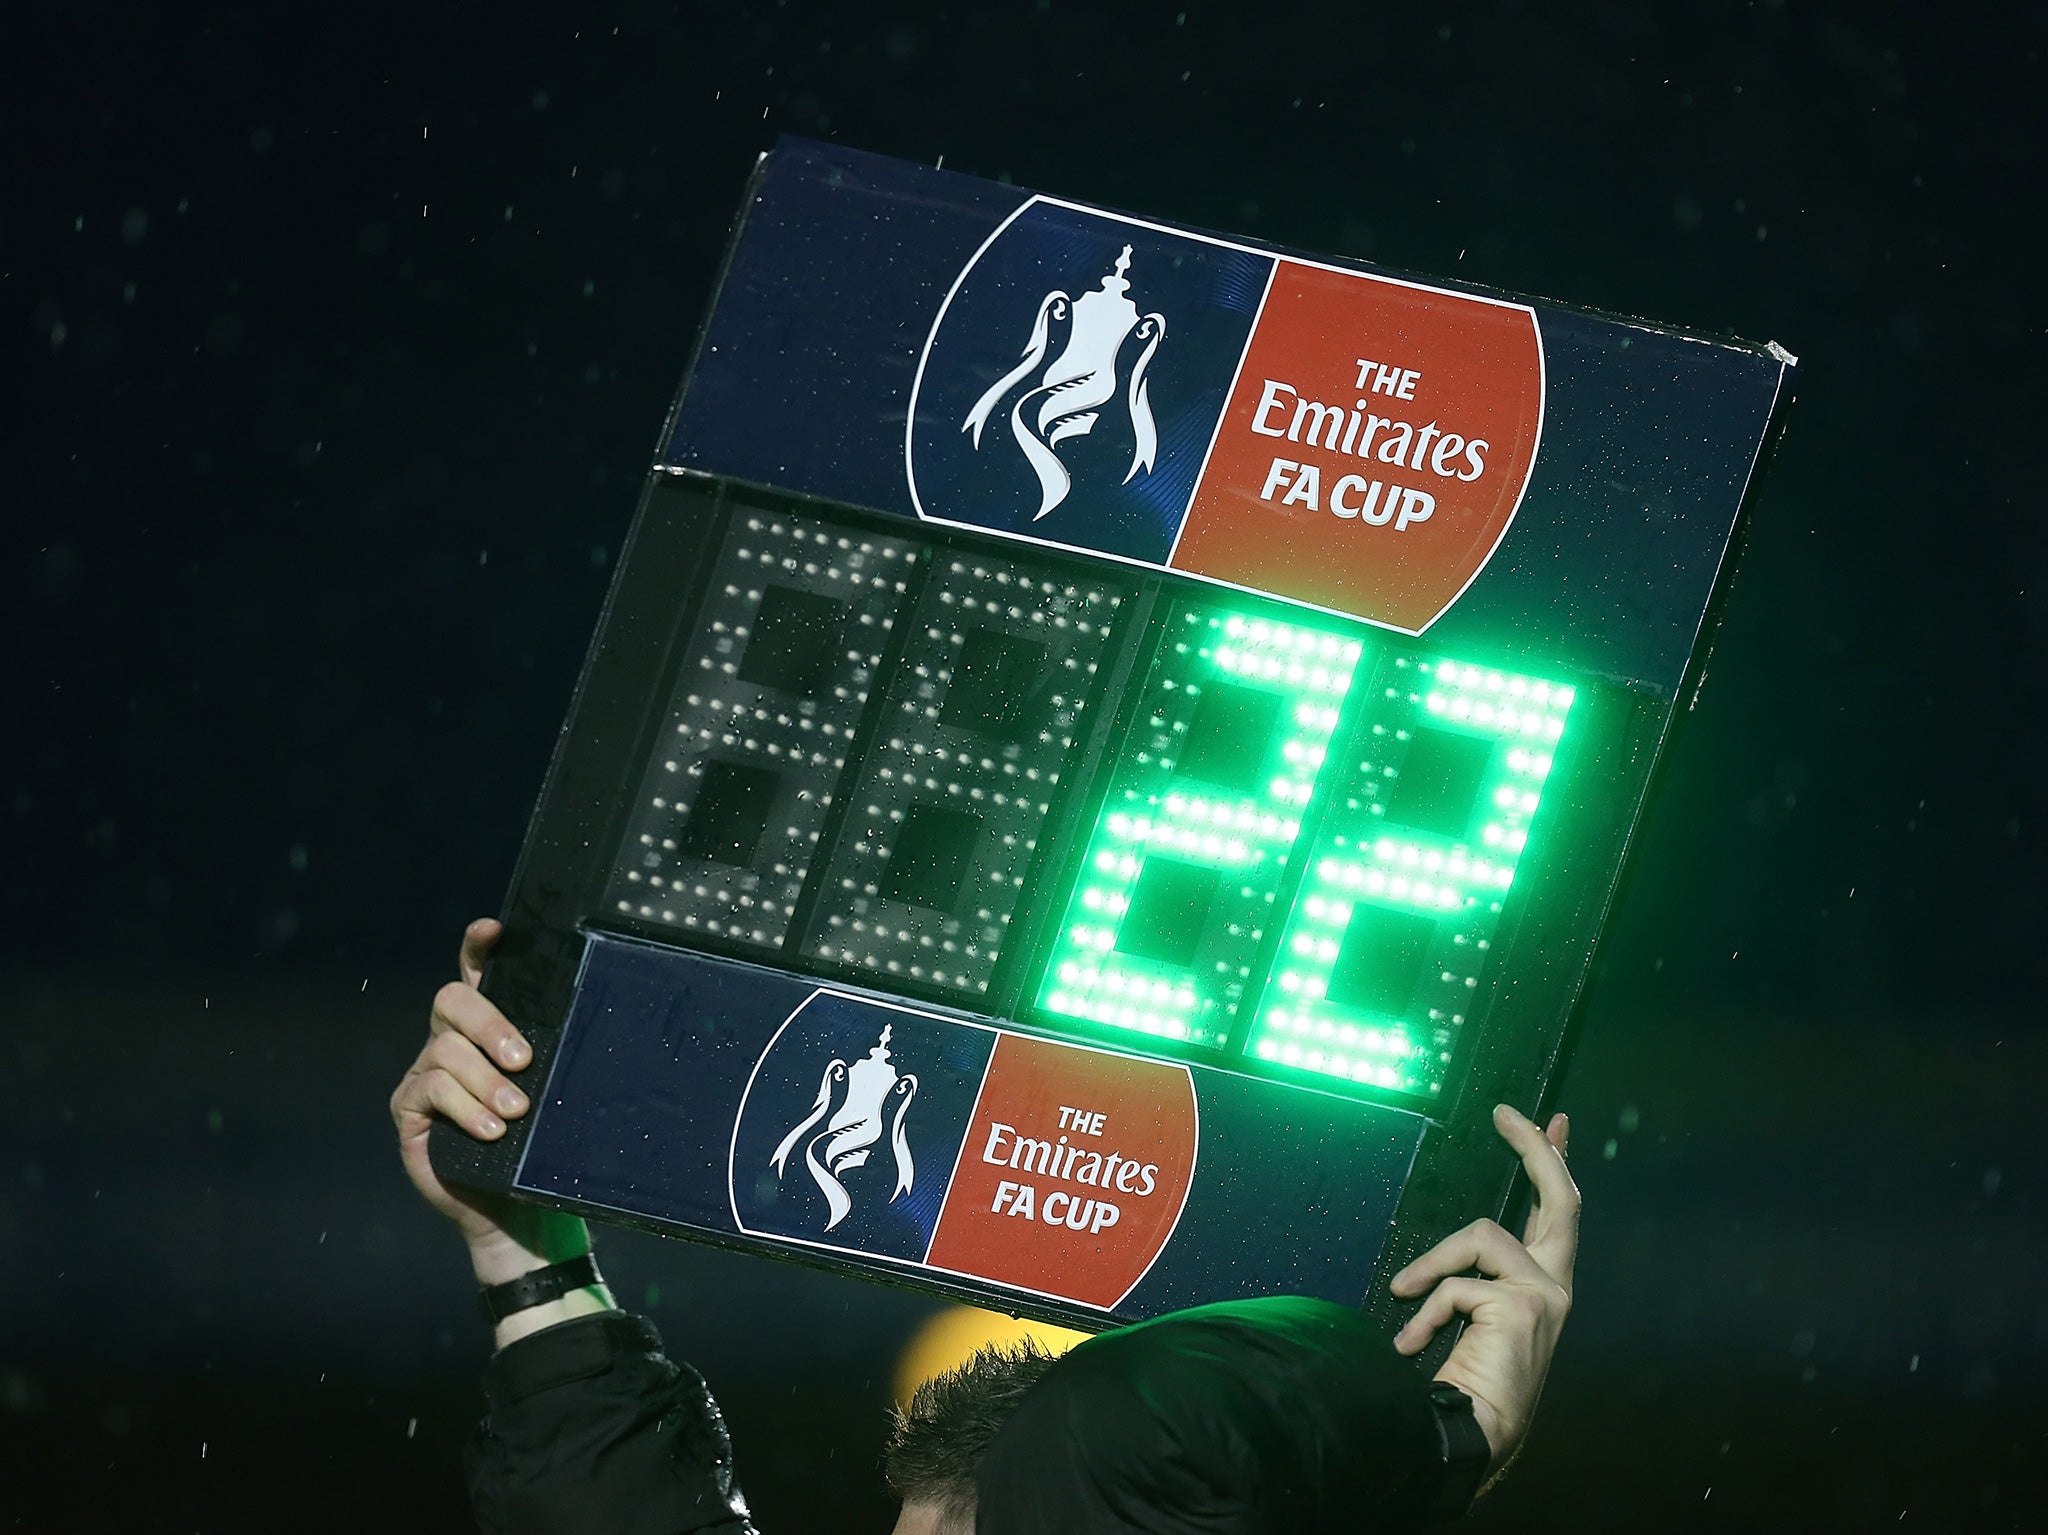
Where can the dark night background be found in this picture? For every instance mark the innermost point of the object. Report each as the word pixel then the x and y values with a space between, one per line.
pixel 336 345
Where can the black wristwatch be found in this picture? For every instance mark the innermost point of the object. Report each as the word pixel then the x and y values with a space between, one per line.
pixel 499 1301
pixel 1461 1448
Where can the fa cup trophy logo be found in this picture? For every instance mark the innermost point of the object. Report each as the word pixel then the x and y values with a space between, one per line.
pixel 1067 400
pixel 854 1128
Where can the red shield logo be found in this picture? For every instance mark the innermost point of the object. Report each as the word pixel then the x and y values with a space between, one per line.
pixel 1075 1170
pixel 1375 446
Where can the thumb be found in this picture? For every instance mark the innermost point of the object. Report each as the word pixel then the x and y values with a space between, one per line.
pixel 478 939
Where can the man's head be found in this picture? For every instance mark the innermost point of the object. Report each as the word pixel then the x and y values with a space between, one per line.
pixel 1277 1416
pixel 939 1439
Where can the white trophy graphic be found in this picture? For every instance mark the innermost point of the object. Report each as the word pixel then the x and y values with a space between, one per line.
pixel 1067 401
pixel 854 1128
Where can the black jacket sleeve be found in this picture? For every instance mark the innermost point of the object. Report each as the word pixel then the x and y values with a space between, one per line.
pixel 591 1428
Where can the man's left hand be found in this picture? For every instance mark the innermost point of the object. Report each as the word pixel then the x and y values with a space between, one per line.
pixel 1515 1313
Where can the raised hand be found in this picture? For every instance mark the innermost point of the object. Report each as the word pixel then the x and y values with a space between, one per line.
pixel 1517 1310
pixel 460 1074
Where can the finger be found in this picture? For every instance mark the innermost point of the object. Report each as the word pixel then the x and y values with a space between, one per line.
pixel 1559 1133
pixel 477 940
pixel 428 1090
pixel 455 1102
pixel 1553 1231
pixel 468 1012
pixel 462 1060
pixel 1445 1301
pixel 1482 1245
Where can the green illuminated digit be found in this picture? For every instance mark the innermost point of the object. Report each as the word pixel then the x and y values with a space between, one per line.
pixel 1404 888
pixel 1177 885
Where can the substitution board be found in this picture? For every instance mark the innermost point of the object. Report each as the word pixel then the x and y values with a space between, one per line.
pixel 1108 750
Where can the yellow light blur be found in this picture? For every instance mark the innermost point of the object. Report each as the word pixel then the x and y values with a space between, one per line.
pixel 951 1338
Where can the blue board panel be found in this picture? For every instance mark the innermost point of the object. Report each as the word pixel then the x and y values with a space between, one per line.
pixel 720 1098
pixel 870 304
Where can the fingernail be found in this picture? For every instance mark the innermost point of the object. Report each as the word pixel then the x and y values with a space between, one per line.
pixel 491 1126
pixel 511 1099
pixel 513 1052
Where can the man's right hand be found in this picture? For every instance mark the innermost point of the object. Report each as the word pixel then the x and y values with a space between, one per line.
pixel 1514 1314
pixel 461 1075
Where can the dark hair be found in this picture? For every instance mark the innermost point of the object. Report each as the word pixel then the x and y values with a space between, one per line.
pixel 938 1441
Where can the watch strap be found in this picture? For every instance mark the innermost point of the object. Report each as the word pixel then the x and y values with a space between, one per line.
pixel 1462 1448
pixel 499 1301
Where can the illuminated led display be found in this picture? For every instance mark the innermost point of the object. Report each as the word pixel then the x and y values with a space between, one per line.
pixel 774 680
pixel 1381 957
pixel 1179 878
pixel 977 726
pixel 1304 840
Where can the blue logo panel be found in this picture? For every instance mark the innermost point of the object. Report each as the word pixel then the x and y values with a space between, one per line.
pixel 688 1090
pixel 852 1124
pixel 1074 380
